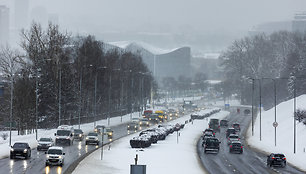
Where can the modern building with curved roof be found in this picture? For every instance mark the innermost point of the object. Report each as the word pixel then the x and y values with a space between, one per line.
pixel 161 62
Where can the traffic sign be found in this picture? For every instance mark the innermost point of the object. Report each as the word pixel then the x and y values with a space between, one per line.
pixel 275 124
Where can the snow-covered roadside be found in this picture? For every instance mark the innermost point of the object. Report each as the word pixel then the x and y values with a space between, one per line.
pixel 166 156
pixel 284 133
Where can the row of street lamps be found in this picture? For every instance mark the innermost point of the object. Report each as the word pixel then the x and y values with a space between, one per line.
pixel 275 109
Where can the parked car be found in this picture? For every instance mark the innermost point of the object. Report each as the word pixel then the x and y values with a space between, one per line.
pixel 142 141
pixel 44 143
pixel 133 126
pixel 230 131
pixel 20 149
pixel 232 137
pixel 224 123
pixel 276 159
pixel 55 156
pixel 92 138
pixel 235 147
pixel 236 126
pixel 211 145
pixel 78 134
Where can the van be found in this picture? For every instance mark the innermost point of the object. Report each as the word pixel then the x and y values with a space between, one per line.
pixel 64 135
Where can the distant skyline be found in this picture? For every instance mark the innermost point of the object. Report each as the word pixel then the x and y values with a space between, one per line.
pixel 170 17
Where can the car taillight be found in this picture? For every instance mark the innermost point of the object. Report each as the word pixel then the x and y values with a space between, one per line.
pixel 231 146
pixel 284 158
pixel 273 158
pixel 238 138
pixel 241 147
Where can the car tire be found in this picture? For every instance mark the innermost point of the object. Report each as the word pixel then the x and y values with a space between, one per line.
pixel 86 143
pixel 11 157
pixel 47 164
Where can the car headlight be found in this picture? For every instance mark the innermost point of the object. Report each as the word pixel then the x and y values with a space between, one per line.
pixel 49 144
pixel 57 137
pixel 86 138
pixel 12 150
pixel 60 157
pixel 96 138
pixel 135 127
pixel 96 130
pixel 47 156
pixel 25 150
pixel 110 133
pixel 128 126
pixel 80 135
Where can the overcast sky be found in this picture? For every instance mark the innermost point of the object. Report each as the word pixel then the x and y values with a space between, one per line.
pixel 198 14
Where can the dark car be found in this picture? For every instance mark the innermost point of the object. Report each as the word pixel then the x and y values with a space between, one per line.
pixel 223 123
pixel 276 159
pixel 230 131
pixel 236 147
pixel 211 144
pixel 236 126
pixel 209 131
pixel 20 149
pixel 99 128
pixel 133 126
pixel 214 124
pixel 78 134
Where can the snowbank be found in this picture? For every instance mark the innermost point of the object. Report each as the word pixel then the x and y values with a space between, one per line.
pixel 284 132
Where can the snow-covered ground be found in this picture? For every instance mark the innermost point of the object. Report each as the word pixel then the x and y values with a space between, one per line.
pixel 285 133
pixel 168 156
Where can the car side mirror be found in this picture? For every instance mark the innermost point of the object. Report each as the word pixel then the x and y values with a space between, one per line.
pixel 11 146
pixel 63 153
pixel 45 152
pixel 54 134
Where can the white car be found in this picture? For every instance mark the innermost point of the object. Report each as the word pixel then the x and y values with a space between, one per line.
pixel 55 156
pixel 44 143
pixel 92 138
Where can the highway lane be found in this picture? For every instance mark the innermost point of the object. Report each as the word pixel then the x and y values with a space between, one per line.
pixel 36 164
pixel 249 162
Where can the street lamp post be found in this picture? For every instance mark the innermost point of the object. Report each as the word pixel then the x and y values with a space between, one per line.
pixel 253 106
pixel 95 99
pixel 260 109
pixel 109 98
pixel 80 101
pixel 294 121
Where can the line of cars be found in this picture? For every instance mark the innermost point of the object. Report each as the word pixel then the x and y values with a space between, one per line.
pixel 212 144
pixel 65 135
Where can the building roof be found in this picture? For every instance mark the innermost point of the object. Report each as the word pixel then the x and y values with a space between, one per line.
pixel 150 48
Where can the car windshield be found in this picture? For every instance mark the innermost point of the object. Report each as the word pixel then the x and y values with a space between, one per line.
pixel 20 145
pixel 79 131
pixel 63 132
pixel 236 144
pixel 236 125
pixel 45 139
pixel 99 127
pixel 144 119
pixel 55 151
pixel 214 121
pixel 92 134
pixel 108 129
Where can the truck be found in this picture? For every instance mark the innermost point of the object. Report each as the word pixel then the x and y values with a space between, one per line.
pixel 64 135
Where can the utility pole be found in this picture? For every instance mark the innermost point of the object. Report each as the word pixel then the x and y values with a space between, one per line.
pixel 95 98
pixel 60 96
pixel 294 117
pixel 109 97
pixel 36 103
pixel 253 106
pixel 80 105
pixel 260 109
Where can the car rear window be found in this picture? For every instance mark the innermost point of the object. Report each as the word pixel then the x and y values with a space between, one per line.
pixel 279 155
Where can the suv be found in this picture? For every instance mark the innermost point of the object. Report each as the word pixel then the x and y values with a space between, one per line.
pixel 214 124
pixel 44 143
pixel 211 144
pixel 230 131
pixel 236 146
pixel 223 123
pixel 78 134
pixel 92 138
pixel 232 137
pixel 55 156
pixel 144 122
pixel 276 159
pixel 20 149
pixel 236 126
